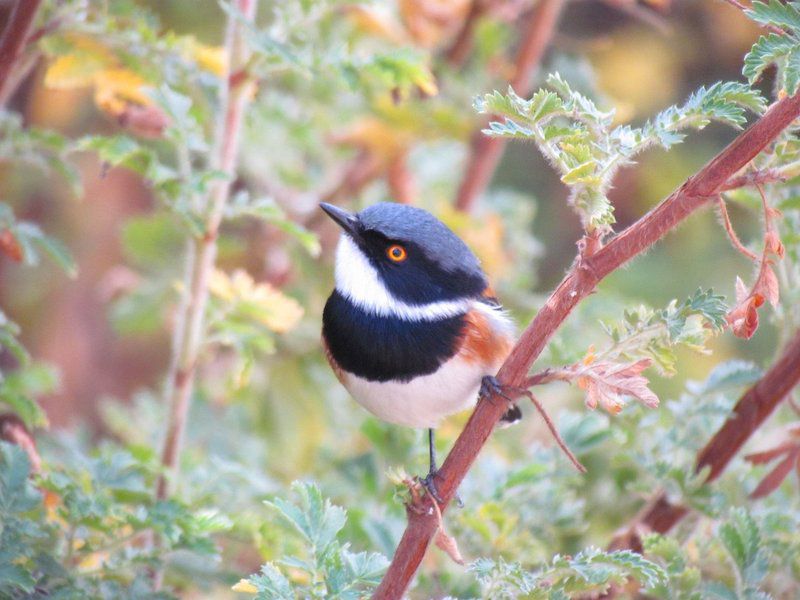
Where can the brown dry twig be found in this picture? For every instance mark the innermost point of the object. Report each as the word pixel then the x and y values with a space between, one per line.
pixel 579 283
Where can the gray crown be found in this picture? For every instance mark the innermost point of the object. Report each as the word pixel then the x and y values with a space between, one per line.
pixel 417 226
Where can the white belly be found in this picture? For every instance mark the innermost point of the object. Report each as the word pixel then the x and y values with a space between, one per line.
pixel 423 401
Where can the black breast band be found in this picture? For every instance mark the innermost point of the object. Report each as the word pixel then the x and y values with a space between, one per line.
pixel 383 348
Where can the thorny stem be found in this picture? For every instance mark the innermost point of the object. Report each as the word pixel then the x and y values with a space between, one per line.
pixel 201 253
pixel 485 152
pixel 12 44
pixel 755 405
pixel 579 283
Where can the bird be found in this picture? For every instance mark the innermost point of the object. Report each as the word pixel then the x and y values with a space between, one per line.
pixel 412 328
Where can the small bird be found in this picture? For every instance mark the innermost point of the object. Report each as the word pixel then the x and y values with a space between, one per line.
pixel 412 329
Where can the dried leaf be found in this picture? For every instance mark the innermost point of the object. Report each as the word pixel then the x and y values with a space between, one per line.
pixel 760 458
pixel 449 545
pixel 767 284
pixel 743 319
pixel 775 477
pixel 10 246
pixel 773 244
pixel 607 382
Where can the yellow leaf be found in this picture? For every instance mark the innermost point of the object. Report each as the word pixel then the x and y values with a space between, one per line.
pixel 384 141
pixel 213 59
pixel 245 587
pixel 261 301
pixel 426 82
pixel 78 67
pixel 70 71
pixel 219 284
pixel 115 88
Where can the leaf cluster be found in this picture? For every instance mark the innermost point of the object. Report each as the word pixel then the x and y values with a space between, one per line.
pixel 327 568
pixel 781 50
pixel 581 143
pixel 85 532
pixel 590 571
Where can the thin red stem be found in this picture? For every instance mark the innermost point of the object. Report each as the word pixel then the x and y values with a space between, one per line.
pixel 485 152
pixel 12 44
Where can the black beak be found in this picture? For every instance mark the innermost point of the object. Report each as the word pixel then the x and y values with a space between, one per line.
pixel 348 222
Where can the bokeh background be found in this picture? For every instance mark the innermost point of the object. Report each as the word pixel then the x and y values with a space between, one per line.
pixel 282 417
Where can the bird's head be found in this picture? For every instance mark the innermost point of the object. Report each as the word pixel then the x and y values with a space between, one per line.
pixel 393 256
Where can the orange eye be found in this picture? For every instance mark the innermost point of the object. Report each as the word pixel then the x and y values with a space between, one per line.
pixel 396 253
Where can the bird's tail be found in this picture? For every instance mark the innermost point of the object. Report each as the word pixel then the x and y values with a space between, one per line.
pixel 511 416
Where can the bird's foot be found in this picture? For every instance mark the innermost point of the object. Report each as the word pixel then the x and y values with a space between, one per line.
pixel 491 387
pixel 429 483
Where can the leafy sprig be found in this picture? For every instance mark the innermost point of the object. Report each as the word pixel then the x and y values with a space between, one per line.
pixel 781 50
pixel 578 139
pixel 329 568
pixel 590 571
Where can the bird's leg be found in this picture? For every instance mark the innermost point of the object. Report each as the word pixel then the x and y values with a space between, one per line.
pixel 430 479
pixel 433 473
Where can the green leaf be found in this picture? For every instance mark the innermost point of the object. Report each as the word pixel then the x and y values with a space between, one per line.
pixel 781 50
pixel 730 375
pixel 775 12
pixel 272 584
pixel 17 493
pixel 315 518
pixel 742 539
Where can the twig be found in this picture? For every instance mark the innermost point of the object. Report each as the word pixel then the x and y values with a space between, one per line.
pixel 726 221
pixel 754 178
pixel 579 283
pixel 459 50
pixel 557 436
pixel 756 404
pixel 485 152
pixel 12 44
pixel 202 254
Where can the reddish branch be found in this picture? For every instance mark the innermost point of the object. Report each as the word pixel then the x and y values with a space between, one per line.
pixel 485 152
pixel 12 44
pixel 188 337
pixel 458 52
pixel 752 409
pixel 579 282
pixel 13 430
